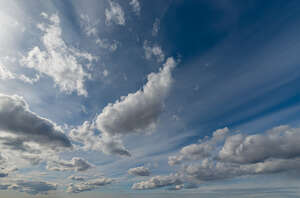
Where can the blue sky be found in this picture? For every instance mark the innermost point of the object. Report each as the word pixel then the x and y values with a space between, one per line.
pixel 139 98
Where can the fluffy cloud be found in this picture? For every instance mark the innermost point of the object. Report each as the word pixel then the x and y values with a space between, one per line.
pixel 138 111
pixel 115 14
pixel 135 4
pixel 26 137
pixel 26 126
pixel 77 164
pixel 201 150
pixel 135 113
pixel 276 150
pixel 158 182
pixel 281 142
pixel 59 61
pixel 89 185
pixel 85 134
pixel 153 51
pixel 139 171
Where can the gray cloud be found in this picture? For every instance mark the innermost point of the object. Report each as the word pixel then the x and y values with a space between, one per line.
pixel 158 182
pixel 3 174
pixel 138 111
pixel 18 120
pixel 77 178
pixel 4 186
pixel 281 142
pixel 201 150
pixel 89 185
pixel 76 164
pixel 139 171
pixel 33 187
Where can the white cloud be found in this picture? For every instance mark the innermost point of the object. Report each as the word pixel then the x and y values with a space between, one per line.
pixel 153 51
pixel 106 44
pixel 89 185
pixel 77 164
pixel 138 111
pixel 85 134
pixel 279 142
pixel 89 27
pixel 59 61
pixel 135 4
pixel 158 182
pixel 115 14
pixel 5 74
pixel 227 156
pixel 139 171
pixel 135 113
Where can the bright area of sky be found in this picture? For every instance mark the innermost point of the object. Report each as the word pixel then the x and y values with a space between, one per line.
pixel 149 99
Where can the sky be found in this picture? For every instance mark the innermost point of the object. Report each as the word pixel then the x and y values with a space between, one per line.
pixel 149 99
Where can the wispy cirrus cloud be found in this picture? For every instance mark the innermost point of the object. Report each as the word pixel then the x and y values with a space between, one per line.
pixel 115 14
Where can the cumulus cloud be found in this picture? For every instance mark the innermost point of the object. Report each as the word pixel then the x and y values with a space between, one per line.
pixel 153 51
pixel 158 182
pixel 77 164
pixel 227 156
pixel 138 111
pixel 135 113
pixel 86 135
pixel 26 137
pixel 30 187
pixel 201 150
pixel 135 4
pixel 89 185
pixel 139 171
pixel 280 142
pixel 59 61
pixel 115 14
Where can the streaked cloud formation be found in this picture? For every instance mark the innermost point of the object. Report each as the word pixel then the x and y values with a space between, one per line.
pixel 155 99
